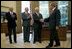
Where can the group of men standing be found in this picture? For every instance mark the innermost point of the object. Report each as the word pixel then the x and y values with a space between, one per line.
pixel 37 19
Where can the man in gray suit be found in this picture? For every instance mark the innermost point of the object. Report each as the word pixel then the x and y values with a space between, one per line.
pixel 26 24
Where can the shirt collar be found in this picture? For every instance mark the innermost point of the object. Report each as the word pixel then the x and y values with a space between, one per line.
pixel 11 12
pixel 53 9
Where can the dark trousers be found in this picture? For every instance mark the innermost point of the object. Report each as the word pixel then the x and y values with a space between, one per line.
pixel 10 29
pixel 26 33
pixel 54 37
pixel 37 35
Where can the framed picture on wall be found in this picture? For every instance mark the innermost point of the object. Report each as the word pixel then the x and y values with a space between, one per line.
pixel 4 10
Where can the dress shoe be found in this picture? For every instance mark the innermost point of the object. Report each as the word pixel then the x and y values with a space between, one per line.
pixel 48 46
pixel 10 42
pixel 34 42
pixel 56 45
pixel 15 41
pixel 39 41
pixel 28 41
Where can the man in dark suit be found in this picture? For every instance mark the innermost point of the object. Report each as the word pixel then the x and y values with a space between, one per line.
pixel 54 22
pixel 37 25
pixel 11 18
pixel 26 24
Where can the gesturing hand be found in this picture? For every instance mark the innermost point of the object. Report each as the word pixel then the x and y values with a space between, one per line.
pixel 41 20
pixel 57 27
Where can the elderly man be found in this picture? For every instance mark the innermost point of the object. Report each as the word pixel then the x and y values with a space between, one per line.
pixel 37 25
pixel 26 24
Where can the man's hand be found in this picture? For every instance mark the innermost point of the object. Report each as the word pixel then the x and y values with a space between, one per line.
pixel 41 20
pixel 57 27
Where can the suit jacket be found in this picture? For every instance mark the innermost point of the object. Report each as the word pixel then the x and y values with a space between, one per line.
pixel 26 20
pixel 36 19
pixel 10 19
pixel 54 19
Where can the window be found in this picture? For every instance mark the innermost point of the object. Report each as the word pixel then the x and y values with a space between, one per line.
pixel 25 4
pixel 2 16
pixel 44 9
pixel 63 6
